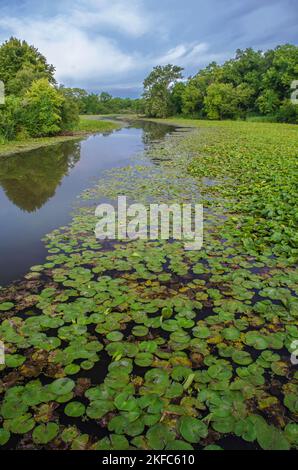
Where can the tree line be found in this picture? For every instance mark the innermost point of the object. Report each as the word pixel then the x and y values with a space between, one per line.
pixel 254 84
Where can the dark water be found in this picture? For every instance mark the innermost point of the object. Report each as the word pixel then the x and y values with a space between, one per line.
pixel 38 189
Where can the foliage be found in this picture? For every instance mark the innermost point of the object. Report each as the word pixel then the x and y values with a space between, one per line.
pixel 251 83
pixel 158 87
pixel 42 110
pixel 11 118
pixel 20 65
pixel 69 112
pixel 220 101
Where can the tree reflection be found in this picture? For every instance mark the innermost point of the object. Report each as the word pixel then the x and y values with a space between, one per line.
pixel 153 132
pixel 30 179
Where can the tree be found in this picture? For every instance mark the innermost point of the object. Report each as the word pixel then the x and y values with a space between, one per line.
pixel 282 69
pixel 69 112
pixel 10 118
pixel 196 89
pixel 221 101
pixel 268 102
pixel 177 95
pixel 245 98
pixel 288 112
pixel 20 65
pixel 157 90
pixel 43 109
pixel 105 97
pixel 77 95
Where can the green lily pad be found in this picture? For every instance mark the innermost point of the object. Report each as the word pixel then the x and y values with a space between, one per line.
pixel 45 433
pixel 115 336
pixel 21 424
pixel 4 436
pixel 72 369
pixel 159 436
pixel 74 409
pixel 144 359
pixel 242 357
pixel 140 331
pixel 192 429
pixel 62 386
pixel 5 306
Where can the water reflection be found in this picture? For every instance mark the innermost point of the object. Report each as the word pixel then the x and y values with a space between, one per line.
pixel 38 189
pixel 153 132
pixel 30 181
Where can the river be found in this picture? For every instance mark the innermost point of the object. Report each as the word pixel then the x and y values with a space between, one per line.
pixel 39 188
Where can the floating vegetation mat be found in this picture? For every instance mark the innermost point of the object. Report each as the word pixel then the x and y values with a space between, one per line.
pixel 143 345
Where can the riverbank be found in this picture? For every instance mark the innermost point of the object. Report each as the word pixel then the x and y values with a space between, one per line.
pixel 86 127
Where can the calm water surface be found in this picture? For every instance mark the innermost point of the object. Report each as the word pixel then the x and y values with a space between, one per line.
pixel 39 189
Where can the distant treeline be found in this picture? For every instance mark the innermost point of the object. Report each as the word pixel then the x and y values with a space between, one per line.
pixel 254 83
pixel 104 103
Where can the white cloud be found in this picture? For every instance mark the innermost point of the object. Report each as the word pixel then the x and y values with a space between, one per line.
pixel 80 47
pixel 126 16
pixel 75 54
pixel 79 44
pixel 189 55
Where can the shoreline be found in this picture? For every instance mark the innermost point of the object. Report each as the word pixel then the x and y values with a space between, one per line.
pixel 14 147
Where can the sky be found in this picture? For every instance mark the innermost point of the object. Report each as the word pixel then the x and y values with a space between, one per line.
pixel 111 45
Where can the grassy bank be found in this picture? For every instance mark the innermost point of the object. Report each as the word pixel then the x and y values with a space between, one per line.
pixel 86 126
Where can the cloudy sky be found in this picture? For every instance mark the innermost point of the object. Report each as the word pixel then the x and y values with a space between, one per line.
pixel 112 44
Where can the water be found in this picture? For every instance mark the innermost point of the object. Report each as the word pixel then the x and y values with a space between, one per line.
pixel 38 189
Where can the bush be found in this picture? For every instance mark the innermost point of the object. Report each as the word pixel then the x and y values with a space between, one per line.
pixel 10 118
pixel 288 112
pixel 43 109
pixel 69 113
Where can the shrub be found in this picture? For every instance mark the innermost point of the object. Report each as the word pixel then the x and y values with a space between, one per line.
pixel 43 109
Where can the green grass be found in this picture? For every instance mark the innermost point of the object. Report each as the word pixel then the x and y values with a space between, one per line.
pixel 86 126
pixel 93 124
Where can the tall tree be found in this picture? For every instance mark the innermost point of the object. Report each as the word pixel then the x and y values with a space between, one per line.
pixel 157 90
pixel 20 65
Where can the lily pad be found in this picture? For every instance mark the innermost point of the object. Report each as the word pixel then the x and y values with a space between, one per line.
pixel 74 409
pixel 192 429
pixel 45 433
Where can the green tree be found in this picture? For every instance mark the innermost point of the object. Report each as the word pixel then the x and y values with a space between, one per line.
pixel 245 94
pixel 21 64
pixel 105 97
pixel 288 112
pixel 10 118
pixel 196 90
pixel 268 102
pixel 69 112
pixel 157 90
pixel 221 101
pixel 282 69
pixel 177 96
pixel 43 109
pixel 77 95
